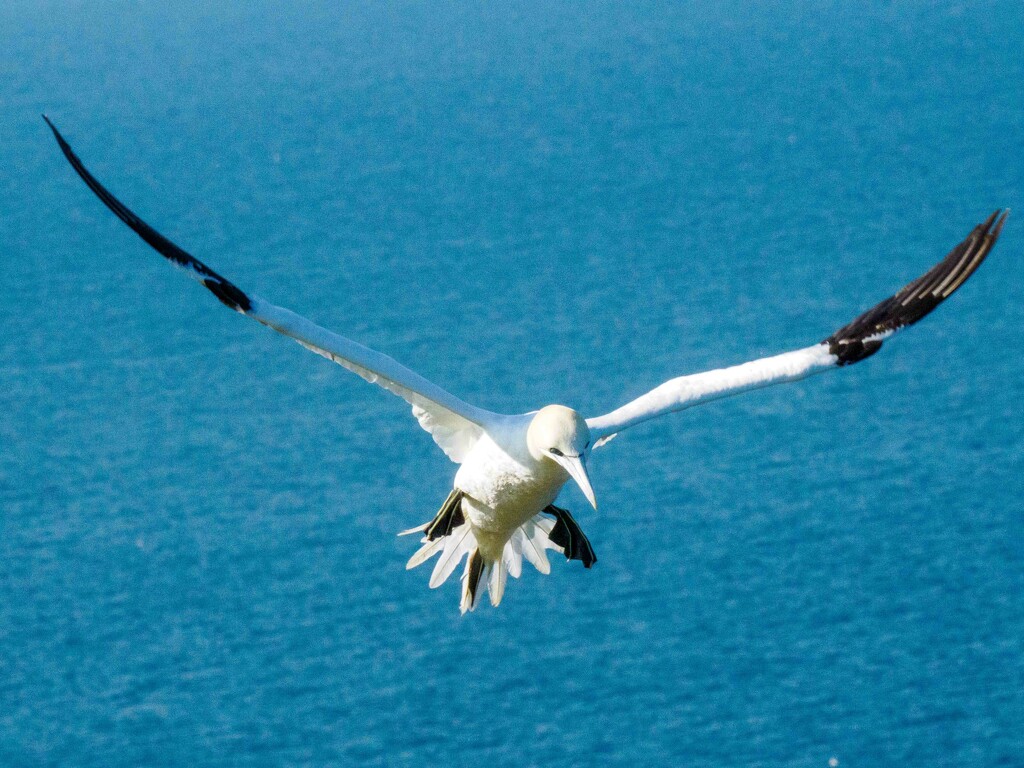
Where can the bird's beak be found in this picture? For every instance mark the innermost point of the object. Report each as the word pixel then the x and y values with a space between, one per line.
pixel 577 469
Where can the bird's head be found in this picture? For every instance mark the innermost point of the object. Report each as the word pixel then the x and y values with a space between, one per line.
pixel 559 434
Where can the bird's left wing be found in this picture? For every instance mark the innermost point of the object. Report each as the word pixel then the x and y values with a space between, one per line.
pixel 850 344
pixel 454 424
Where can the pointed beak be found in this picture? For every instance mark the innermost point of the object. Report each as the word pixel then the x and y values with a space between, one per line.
pixel 577 469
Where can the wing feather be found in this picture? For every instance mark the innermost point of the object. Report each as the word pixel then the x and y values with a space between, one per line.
pixel 852 343
pixel 454 424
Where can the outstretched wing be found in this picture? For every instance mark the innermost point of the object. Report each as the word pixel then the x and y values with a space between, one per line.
pixel 454 424
pixel 850 344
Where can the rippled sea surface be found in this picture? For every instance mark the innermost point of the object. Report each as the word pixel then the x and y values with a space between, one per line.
pixel 532 203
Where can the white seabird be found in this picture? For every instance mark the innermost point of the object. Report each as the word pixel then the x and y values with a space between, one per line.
pixel 513 466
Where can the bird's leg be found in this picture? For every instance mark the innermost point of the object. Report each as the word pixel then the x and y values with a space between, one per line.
pixel 569 537
pixel 448 518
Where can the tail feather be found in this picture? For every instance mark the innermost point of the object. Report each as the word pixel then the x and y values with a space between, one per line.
pixel 546 524
pixel 533 547
pixel 529 541
pixel 459 543
pixel 512 554
pixel 417 529
pixel 496 583
pixel 475 568
pixel 424 553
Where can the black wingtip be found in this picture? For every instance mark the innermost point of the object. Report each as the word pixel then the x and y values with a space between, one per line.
pixel 999 224
pixel 56 133
pixel 225 291
pixel 863 337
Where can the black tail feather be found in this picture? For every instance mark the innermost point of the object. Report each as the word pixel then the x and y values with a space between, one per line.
pixel 475 569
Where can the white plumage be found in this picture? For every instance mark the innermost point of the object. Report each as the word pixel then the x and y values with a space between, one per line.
pixel 513 466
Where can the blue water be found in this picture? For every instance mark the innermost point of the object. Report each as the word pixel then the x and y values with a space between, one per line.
pixel 545 202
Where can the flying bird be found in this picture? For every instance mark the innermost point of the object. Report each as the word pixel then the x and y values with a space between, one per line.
pixel 512 467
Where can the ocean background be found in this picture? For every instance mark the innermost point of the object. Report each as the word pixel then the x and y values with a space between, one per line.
pixel 528 203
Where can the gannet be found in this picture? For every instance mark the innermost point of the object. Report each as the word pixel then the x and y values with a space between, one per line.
pixel 512 467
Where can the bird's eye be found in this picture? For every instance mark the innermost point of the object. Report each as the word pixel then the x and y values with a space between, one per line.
pixel 556 452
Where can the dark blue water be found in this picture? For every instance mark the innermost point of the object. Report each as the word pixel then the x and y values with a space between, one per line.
pixel 529 204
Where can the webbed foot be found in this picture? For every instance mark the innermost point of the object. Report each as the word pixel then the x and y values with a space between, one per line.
pixel 448 518
pixel 569 537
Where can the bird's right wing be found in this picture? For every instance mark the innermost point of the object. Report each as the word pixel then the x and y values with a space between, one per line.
pixel 454 424
pixel 850 344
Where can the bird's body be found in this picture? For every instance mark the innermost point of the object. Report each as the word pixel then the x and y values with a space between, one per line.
pixel 504 489
pixel 507 480
pixel 512 467
pixel 505 486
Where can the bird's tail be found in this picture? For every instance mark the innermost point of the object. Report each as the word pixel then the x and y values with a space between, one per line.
pixel 529 541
